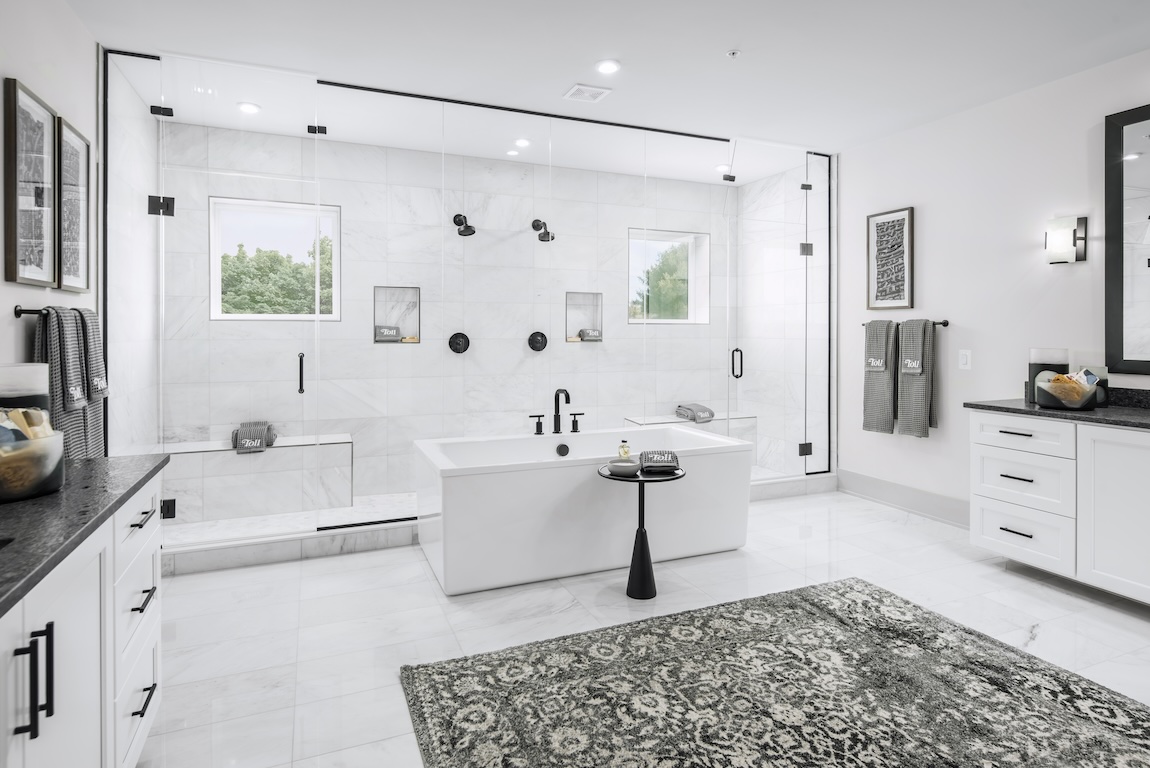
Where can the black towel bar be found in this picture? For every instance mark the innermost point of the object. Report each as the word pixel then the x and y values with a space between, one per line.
pixel 943 323
pixel 20 311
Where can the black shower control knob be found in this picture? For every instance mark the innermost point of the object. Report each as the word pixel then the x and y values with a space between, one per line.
pixel 458 343
pixel 537 341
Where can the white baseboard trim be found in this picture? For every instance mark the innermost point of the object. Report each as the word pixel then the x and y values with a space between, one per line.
pixel 933 505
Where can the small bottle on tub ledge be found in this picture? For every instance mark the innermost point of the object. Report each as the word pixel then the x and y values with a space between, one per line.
pixel 624 450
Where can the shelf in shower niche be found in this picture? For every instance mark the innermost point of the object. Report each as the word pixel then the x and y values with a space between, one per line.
pixel 396 315
pixel 584 316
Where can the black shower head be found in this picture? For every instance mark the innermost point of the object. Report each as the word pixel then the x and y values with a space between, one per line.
pixel 541 227
pixel 465 229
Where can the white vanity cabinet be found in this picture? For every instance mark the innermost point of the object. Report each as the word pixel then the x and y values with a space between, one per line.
pixel 1068 497
pixel 1114 509
pixel 56 653
pixel 80 651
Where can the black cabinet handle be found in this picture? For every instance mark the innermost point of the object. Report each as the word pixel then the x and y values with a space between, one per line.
pixel 1016 533
pixel 301 373
pixel 32 651
pixel 150 690
pixel 738 375
pixel 1018 434
pixel 144 605
pixel 147 516
pixel 49 635
pixel 1015 477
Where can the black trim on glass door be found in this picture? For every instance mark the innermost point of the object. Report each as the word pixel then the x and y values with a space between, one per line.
pixel 516 110
pixel 1115 258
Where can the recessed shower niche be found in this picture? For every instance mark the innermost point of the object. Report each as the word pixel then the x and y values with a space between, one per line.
pixel 396 315
pixel 584 316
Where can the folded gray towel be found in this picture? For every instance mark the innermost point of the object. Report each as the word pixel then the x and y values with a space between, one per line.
pixel 253 437
pixel 64 381
pixel 95 371
pixel 917 409
pixel 879 380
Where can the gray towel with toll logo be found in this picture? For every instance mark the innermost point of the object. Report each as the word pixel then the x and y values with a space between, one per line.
pixel 879 379
pixel 917 406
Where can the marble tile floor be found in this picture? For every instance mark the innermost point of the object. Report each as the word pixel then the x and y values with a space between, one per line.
pixel 385 506
pixel 296 664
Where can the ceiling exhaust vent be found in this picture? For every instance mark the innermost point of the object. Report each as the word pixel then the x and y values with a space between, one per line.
pixel 592 94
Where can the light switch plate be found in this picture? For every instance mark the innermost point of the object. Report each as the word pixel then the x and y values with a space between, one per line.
pixel 964 359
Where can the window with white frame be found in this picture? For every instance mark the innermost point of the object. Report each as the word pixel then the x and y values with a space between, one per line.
pixel 669 277
pixel 274 261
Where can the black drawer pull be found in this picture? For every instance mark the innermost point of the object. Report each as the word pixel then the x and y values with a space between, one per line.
pixel 1014 477
pixel 147 516
pixel 49 635
pixel 1016 533
pixel 151 690
pixel 1019 434
pixel 32 651
pixel 144 605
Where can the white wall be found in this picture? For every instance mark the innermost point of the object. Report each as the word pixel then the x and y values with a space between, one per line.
pixel 983 183
pixel 44 45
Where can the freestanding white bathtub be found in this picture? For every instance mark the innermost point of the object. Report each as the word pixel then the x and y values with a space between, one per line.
pixel 509 510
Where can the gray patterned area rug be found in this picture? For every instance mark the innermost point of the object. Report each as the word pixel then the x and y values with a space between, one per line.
pixel 839 674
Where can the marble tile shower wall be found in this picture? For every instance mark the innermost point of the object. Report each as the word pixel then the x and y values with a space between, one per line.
pixel 782 317
pixel 133 325
pixel 497 286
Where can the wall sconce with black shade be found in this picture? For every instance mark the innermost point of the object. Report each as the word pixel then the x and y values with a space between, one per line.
pixel 465 229
pixel 1066 240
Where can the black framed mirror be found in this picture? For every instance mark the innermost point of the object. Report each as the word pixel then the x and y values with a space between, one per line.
pixel 1128 241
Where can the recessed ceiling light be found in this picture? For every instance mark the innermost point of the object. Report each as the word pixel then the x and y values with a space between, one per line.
pixel 522 143
pixel 723 168
pixel 608 67
pixel 513 152
pixel 247 107
pixel 1133 156
pixel 733 53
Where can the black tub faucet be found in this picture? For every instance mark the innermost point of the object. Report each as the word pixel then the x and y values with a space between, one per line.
pixel 567 399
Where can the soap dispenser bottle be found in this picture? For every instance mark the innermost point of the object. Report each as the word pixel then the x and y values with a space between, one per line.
pixel 624 450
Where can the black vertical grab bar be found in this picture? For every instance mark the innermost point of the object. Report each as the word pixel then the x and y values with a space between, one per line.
pixel 738 375
pixel 301 373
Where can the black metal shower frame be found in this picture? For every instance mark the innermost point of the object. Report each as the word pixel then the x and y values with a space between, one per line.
pixel 108 52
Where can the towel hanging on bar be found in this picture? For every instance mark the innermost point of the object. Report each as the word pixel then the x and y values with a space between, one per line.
pixel 917 406
pixel 880 380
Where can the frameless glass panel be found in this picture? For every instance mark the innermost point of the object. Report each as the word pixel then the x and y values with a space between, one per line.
pixel 248 258
pixel 381 364
pixel 134 255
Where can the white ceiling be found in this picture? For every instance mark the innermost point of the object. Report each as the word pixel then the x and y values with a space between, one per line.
pixel 824 75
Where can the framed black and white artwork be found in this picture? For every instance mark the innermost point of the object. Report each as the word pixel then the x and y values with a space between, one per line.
pixel 29 187
pixel 890 260
pixel 73 191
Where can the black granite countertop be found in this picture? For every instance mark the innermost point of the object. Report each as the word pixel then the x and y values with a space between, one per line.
pixel 1115 416
pixel 46 529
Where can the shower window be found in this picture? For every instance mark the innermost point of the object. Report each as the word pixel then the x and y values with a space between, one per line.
pixel 264 263
pixel 668 276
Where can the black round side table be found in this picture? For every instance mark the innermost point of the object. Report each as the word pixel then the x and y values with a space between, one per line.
pixel 641 581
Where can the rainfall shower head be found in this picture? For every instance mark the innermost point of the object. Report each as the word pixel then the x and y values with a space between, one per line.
pixel 465 229
pixel 541 227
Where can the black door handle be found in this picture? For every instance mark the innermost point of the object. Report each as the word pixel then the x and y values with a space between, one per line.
pixel 150 690
pixel 1015 477
pixel 738 375
pixel 147 516
pixel 1016 533
pixel 49 635
pixel 32 651
pixel 301 373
